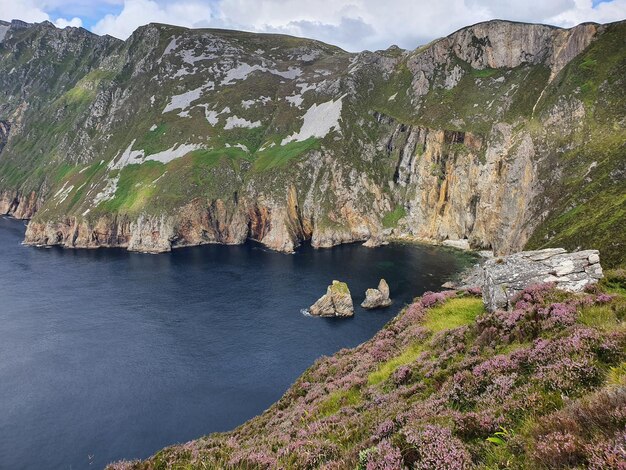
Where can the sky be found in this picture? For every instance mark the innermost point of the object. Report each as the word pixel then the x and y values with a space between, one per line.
pixel 354 25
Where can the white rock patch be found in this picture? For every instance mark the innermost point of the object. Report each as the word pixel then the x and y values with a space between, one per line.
pixel 392 97
pixel 3 32
pixel 184 100
pixel 242 71
pixel 63 193
pixel 137 157
pixel 129 157
pixel 247 104
pixel 153 127
pixel 318 121
pixel 304 87
pixel 234 121
pixel 190 58
pixel 107 193
pixel 168 155
pixel 211 116
pixel 173 44
pixel 295 100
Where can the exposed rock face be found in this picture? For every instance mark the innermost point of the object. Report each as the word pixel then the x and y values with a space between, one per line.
pixel 195 224
pixel 337 302
pixel 377 298
pixel 453 195
pixel 504 278
pixel 180 137
pixel 496 44
pixel 18 205
pixel 5 127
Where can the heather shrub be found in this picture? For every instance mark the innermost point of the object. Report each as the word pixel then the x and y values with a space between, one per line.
pixel 437 449
pixel 559 449
pixel 476 424
pixel 384 429
pixel 476 291
pixel 608 455
pixel 430 299
pixel 385 456
pixel 401 375
pixel 557 315
pixel 253 459
pixel 577 434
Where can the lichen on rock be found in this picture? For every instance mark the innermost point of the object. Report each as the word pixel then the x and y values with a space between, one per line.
pixel 337 302
pixel 505 277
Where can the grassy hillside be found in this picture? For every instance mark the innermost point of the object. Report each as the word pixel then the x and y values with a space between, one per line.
pixel 446 385
pixel 586 162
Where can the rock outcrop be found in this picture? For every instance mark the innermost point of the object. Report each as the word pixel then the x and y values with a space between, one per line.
pixel 505 277
pixel 5 127
pixel 337 302
pixel 18 205
pixel 377 298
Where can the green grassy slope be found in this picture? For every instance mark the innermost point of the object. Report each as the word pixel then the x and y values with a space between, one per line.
pixel 587 201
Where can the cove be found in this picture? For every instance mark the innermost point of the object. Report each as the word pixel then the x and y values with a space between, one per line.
pixel 106 354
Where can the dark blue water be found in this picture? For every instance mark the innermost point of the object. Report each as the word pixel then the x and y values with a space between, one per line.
pixel 107 354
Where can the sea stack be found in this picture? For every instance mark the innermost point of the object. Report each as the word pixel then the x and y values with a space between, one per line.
pixel 337 302
pixel 377 298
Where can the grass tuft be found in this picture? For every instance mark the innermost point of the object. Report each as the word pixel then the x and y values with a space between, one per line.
pixel 387 368
pixel 454 313
pixel 337 400
pixel 390 220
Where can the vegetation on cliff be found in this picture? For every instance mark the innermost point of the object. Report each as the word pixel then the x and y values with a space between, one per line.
pixel 504 134
pixel 446 385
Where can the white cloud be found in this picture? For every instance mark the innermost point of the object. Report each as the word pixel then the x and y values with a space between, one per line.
pixel 136 13
pixel 63 23
pixel 374 24
pixel 25 10
pixel 32 11
pixel 605 12
pixel 351 24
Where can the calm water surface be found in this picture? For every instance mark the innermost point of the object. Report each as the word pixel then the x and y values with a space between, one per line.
pixel 107 354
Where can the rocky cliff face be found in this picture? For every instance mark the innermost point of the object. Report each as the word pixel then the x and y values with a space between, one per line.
pixel 180 137
pixel 18 205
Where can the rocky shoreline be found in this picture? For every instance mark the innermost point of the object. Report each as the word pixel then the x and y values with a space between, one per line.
pixel 197 224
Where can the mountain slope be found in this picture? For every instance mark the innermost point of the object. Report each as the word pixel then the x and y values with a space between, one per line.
pixel 502 133
pixel 446 385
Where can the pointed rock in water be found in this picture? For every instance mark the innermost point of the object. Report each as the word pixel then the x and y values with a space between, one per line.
pixel 337 302
pixel 377 298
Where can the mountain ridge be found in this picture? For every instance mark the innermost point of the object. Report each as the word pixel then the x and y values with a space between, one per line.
pixel 493 82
